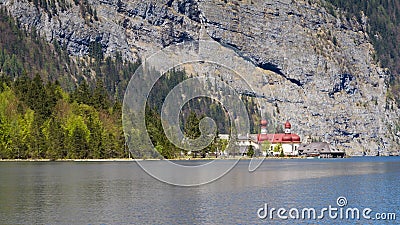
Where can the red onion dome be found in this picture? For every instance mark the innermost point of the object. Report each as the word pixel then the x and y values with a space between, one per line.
pixel 287 138
pixel 288 125
pixel 295 137
pixel 264 122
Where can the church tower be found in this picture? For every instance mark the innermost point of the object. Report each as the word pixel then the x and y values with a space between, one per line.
pixel 288 126
pixel 263 126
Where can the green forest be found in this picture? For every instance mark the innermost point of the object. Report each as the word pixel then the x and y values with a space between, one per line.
pixel 40 120
pixel 43 121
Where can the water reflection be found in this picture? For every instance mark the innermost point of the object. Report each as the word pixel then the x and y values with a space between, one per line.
pixel 120 192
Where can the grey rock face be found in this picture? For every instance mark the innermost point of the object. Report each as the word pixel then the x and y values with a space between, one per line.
pixel 315 69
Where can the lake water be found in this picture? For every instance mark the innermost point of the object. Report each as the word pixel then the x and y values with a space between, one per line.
pixel 122 193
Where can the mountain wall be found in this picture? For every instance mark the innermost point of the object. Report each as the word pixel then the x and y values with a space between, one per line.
pixel 316 69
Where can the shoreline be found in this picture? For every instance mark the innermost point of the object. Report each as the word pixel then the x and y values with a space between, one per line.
pixel 136 160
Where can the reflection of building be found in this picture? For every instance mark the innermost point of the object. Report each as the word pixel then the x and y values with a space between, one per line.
pixel 290 142
pixel 320 149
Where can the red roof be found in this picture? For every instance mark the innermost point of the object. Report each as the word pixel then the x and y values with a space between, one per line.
pixel 279 138
pixel 288 125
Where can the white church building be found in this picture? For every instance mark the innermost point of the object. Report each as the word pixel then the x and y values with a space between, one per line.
pixel 289 141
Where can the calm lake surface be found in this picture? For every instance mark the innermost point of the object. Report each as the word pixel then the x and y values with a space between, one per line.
pixel 122 193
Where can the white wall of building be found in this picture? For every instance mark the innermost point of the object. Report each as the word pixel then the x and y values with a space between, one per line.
pixel 288 149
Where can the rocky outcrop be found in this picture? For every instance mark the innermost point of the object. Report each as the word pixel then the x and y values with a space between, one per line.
pixel 315 69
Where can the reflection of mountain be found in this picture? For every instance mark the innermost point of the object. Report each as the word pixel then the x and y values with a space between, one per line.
pixel 319 68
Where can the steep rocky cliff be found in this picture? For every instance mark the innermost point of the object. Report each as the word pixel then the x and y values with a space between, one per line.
pixel 315 68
